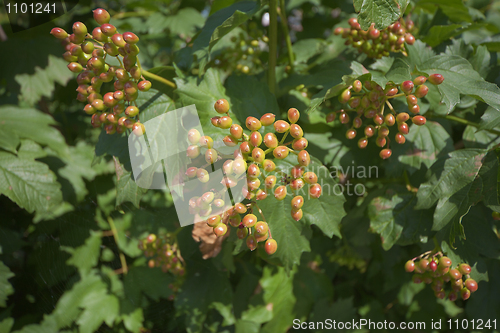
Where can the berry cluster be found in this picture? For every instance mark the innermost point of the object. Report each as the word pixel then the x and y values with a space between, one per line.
pixel 366 103
pixel 245 54
pixel 162 251
pixel 86 53
pixel 251 165
pixel 437 270
pixel 378 43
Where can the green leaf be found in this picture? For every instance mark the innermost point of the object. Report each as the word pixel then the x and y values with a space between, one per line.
pixel 249 97
pixel 278 297
pixel 305 49
pixel 202 288
pixel 203 95
pixel 126 187
pixel 19 123
pixel 454 9
pixel 6 325
pixel 184 22
pixel 460 78
pixel 42 82
pixel 440 33
pixel 392 215
pixel 400 71
pixel 5 287
pixel 419 53
pixel 142 281
pixel 452 184
pixel 133 321
pixel 220 24
pixel 342 310
pixel 86 256
pixel 153 103
pixel 381 12
pixel 454 207
pixel 479 139
pixel 98 307
pixel 424 144
pixel 490 119
pixel 29 183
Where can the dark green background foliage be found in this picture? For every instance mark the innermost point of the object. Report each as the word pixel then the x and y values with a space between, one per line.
pixel 64 185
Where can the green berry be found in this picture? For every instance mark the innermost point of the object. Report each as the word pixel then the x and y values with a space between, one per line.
pixel 59 33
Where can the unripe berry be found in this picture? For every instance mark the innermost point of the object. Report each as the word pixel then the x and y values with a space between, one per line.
pixel 403 128
pixel 465 269
pixel 338 31
pixel 280 193
pixel 369 131
pixel 110 129
pixel 400 138
pixel 75 67
pixel 240 208
pixel 213 221
pixel 280 152
pixel 410 266
pixel 225 122
pixel 402 117
pixel 281 126
pixel 471 285
pixel 455 274
pixel 385 153
pixel 414 108
pixel 194 136
pixel 255 139
pixel 343 117
pixel 215 121
pixel 297 184
pixel 420 80
pixel 268 165
pixel 193 151
pixel 297 214
pixel 242 233
pixel 249 220
pixel 383 131
pixel 220 230
pixel 391 91
pixel 419 120
pixel 144 85
pixel 79 29
pixel 330 117
pixel 297 171
pixel 236 131
pixel 378 119
pixel 235 220
pixel 303 158
pixel 101 16
pixel 345 96
pixel 261 227
pixel 89 109
pixel 421 91
pixel 362 143
pixel 211 156
pixel 271 246
pixel 310 177
pixel 59 33
pixel 190 172
pixel 465 293
pixel 98 35
pixel 411 100
pixel 253 124
pixel 296 131
pixel 357 122
pixel 354 102
pixel 270 140
pixel 253 171
pixel 390 120
pixel 267 119
pixel 98 104
pixel 206 142
pixel 239 166
pixel 436 79
pixel 417 278
pixel 297 202
pixel 108 29
pixel 374 33
pixel 130 37
pixel 132 111
pixel 202 175
pixel 444 262
pixel 381 141
pixel 221 106
pixel 350 134
pixel 229 141
pixel 270 182
pixel 315 190
pixel 293 115
pixel 407 87
pixel 300 144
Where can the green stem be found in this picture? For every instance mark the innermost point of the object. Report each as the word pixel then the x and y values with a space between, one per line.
pixel 273 45
pixel 115 236
pixel 155 77
pixel 465 122
pixel 286 32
